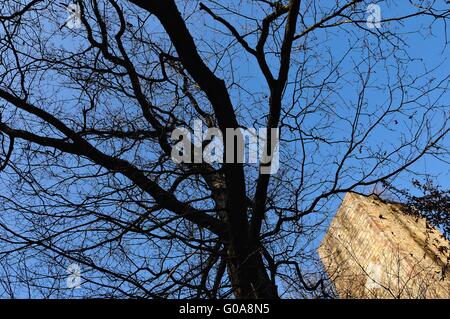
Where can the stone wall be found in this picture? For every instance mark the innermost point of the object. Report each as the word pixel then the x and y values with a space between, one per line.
pixel 372 249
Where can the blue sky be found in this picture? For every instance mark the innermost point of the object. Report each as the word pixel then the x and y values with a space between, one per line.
pixel 428 51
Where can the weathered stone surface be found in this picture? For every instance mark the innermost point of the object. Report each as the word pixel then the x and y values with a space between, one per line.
pixel 374 250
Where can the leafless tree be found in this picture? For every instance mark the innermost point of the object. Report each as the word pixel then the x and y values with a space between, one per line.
pixel 86 116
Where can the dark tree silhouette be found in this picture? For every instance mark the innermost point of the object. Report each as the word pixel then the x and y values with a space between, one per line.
pixel 86 116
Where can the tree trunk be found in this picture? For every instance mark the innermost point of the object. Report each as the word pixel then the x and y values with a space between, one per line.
pixel 249 279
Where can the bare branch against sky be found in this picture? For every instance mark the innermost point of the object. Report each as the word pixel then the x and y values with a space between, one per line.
pixel 108 107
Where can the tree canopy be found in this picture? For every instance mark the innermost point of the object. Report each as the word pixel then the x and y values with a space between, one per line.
pixel 89 98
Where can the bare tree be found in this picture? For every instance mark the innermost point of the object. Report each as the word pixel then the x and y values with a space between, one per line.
pixel 87 115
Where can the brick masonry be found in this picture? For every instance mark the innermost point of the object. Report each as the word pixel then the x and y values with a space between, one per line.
pixel 372 249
